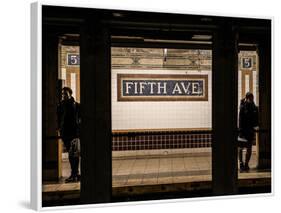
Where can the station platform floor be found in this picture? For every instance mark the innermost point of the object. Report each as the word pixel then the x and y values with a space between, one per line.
pixel 159 170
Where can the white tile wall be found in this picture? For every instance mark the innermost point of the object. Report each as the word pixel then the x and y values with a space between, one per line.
pixel 157 115
pixel 255 77
pixel 73 84
pixel 173 114
pixel 255 87
pixel 239 86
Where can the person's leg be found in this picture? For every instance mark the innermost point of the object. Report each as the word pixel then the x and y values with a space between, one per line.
pixel 240 153
pixel 75 166
pixel 72 166
pixel 248 156
pixel 78 174
pixel 72 175
pixel 67 146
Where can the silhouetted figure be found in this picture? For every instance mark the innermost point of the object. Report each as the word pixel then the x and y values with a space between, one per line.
pixel 68 122
pixel 248 119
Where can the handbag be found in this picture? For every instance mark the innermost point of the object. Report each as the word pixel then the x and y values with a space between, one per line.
pixel 74 150
pixel 242 142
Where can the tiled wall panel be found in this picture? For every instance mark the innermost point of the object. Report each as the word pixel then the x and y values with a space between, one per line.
pixel 159 115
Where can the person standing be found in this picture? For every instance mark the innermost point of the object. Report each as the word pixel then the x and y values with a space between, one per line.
pixel 248 120
pixel 68 112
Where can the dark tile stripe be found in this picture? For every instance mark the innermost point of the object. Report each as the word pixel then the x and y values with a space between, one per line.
pixel 158 141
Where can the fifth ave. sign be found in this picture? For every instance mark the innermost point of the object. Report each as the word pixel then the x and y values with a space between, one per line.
pixel 150 87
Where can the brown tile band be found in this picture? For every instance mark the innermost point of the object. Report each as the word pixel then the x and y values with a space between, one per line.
pixel 161 140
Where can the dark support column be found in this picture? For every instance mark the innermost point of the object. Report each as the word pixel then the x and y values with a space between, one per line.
pixel 264 50
pixel 96 179
pixel 224 116
pixel 51 158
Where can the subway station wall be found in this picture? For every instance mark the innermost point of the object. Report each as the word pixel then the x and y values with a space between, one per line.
pixel 248 75
pixel 69 72
pixel 160 114
pixel 173 114
pixel 150 115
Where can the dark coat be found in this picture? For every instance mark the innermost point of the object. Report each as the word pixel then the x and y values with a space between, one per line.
pixel 248 119
pixel 68 113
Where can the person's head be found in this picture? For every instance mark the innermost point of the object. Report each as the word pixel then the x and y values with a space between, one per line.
pixel 249 97
pixel 66 93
